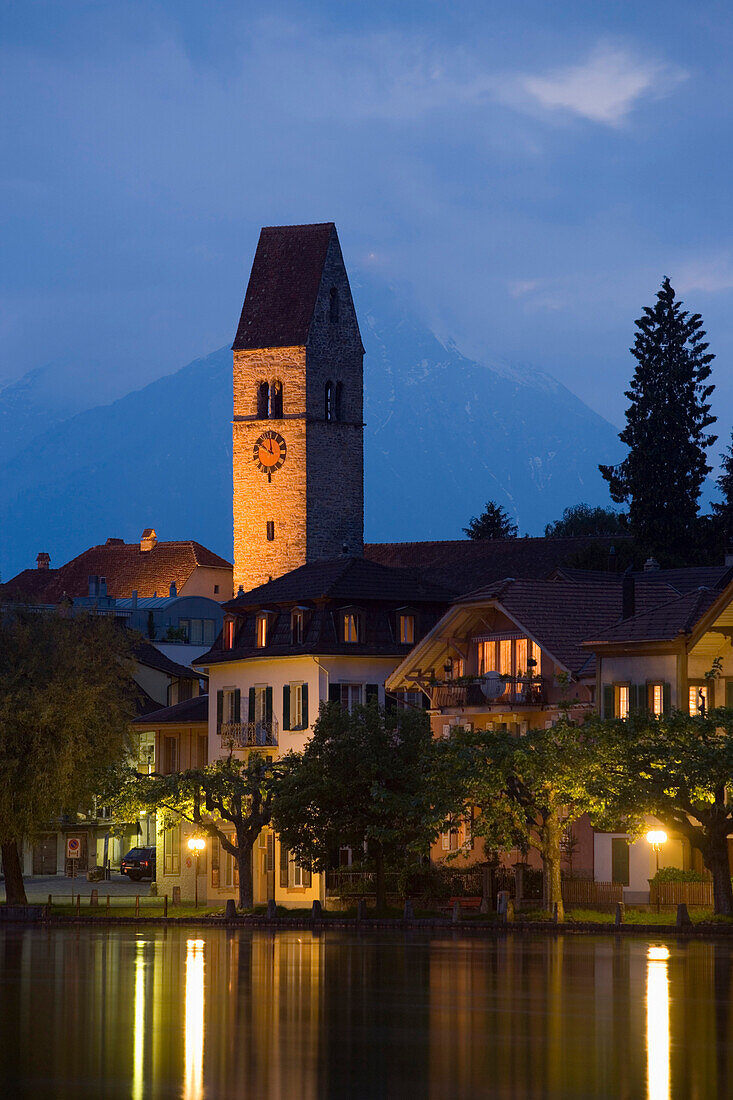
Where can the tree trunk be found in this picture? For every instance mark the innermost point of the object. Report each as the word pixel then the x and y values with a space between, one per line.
pixel 715 855
pixel 246 880
pixel 381 883
pixel 551 856
pixel 13 868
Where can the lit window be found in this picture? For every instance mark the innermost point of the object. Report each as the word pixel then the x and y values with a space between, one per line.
pixel 351 627
pixel 261 631
pixel 621 701
pixel 505 657
pixel 486 658
pixel 699 699
pixel 228 633
pixel 296 627
pixel 655 700
pixel 296 706
pixel 407 629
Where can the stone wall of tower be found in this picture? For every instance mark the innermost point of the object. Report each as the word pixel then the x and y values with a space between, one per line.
pixel 335 466
pixel 283 499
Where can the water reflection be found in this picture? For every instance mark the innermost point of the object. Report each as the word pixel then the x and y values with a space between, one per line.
pixel 94 1013
pixel 657 1023
pixel 193 1080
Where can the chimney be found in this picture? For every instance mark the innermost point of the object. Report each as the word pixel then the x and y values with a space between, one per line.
pixel 43 561
pixel 115 542
pixel 148 539
pixel 728 560
pixel 651 565
pixel 93 586
pixel 102 586
pixel 173 591
pixel 612 561
pixel 628 595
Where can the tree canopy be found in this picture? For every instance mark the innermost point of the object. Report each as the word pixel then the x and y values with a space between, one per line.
pixel 373 776
pixel 584 520
pixel 66 702
pixel 666 431
pixel 493 523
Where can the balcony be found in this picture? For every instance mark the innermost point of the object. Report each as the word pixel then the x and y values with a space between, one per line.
pixel 490 691
pixel 249 735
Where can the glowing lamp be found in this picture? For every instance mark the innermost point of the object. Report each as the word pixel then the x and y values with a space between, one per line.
pixel 197 843
pixel 656 837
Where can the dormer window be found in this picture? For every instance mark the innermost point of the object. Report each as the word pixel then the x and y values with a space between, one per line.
pixel 406 629
pixel 350 626
pixel 297 623
pixel 228 633
pixel 261 630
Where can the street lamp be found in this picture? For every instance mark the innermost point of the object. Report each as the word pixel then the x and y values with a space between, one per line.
pixel 656 837
pixel 197 845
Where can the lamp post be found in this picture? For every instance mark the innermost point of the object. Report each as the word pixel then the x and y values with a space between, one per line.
pixel 657 837
pixel 196 845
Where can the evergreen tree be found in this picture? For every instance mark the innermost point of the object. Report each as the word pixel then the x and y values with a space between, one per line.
pixel 493 523
pixel 665 431
pixel 723 511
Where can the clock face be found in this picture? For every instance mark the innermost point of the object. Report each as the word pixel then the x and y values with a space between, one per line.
pixel 270 451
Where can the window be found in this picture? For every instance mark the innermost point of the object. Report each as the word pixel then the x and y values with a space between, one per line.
pixel 263 400
pixel 228 633
pixel 276 400
pixel 333 306
pixel 170 755
pixel 292 875
pixel 228 705
pixel 196 631
pixel 216 589
pixel 508 656
pixel 271 530
pixel 297 619
pixel 407 629
pixel 350 627
pixel 202 758
pixel 621 700
pixel 329 401
pixel 350 696
pixel 261 631
pixel 172 851
pixel 655 699
pixel 296 706
pixel 699 696
pixel 209 631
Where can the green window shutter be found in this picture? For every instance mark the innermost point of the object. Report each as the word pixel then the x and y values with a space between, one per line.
pixel 608 701
pixel 283 866
pixel 304 723
pixel 642 698
pixel 270 859
pixel 268 704
pixel 372 693
pixel 237 705
pixel 620 861
pixel 251 705
pixel 633 698
pixel 286 706
pixel 334 693
pixel 307 878
pixel 219 707
pixel 729 693
pixel 666 698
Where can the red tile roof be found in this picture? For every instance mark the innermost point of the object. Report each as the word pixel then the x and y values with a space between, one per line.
pixel 125 567
pixel 283 286
pixel 189 711
pixel 660 624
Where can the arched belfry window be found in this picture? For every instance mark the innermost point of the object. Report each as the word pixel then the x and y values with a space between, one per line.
pixel 338 402
pixel 333 306
pixel 329 400
pixel 276 400
pixel 263 400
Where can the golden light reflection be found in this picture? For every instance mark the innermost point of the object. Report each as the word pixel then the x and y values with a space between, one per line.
pixel 138 1060
pixel 657 1024
pixel 193 1079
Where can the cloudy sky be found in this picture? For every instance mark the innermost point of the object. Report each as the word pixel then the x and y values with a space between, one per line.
pixel 527 172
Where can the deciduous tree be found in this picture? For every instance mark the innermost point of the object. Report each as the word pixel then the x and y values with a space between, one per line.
pixel 583 520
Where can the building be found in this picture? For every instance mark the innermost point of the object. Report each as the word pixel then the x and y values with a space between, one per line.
pixel 298 408
pixel 147 568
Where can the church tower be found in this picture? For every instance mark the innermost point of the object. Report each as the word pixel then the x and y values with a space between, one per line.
pixel 298 433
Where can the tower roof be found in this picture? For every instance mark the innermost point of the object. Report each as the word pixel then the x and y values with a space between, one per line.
pixel 283 286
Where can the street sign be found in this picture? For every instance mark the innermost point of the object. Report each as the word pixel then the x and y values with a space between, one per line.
pixel 73 847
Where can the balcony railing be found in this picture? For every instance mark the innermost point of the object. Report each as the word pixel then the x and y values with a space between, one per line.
pixel 249 735
pixel 491 691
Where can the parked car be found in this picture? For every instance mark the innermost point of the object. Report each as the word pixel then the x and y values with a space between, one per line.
pixel 138 863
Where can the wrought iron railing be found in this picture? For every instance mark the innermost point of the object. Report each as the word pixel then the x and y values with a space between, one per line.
pixel 249 735
pixel 519 691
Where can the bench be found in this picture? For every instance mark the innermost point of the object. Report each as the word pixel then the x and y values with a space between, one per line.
pixel 465 903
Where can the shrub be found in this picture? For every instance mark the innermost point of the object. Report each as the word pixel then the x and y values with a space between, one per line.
pixel 674 874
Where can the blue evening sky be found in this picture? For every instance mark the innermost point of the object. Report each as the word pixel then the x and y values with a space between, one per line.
pixel 528 172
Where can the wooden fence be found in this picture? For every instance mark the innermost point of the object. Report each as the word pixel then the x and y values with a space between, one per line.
pixel 678 893
pixel 581 891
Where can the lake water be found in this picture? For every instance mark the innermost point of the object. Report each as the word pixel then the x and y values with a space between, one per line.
pixel 201 1014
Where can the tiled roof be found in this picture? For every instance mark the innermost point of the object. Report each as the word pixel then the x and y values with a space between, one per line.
pixel 662 623
pixel 147 654
pixel 124 566
pixel 190 710
pixel 283 286
pixel 344 578
pixel 466 564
